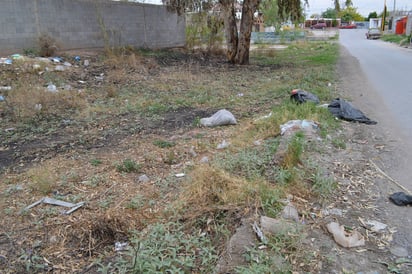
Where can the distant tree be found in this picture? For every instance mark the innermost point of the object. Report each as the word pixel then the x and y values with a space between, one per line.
pixel 350 14
pixel 238 42
pixel 269 8
pixel 348 3
pixel 372 15
pixel 336 5
pixel 330 13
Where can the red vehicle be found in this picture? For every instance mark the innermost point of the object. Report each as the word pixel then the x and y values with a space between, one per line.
pixel 319 26
pixel 348 26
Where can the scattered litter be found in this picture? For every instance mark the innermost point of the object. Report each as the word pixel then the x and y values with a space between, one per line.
pixel 264 117
pixel 56 59
pixel 204 160
pixel 6 61
pixel 220 118
pixel 401 199
pixel 51 201
pixel 344 110
pixel 36 66
pixel 120 246
pixel 223 145
pixel 67 64
pixel 143 178
pixel 38 107
pixel 16 56
pixel 376 226
pixel 77 58
pixel 180 175
pixel 86 63
pixel 344 238
pixel 59 68
pixel 301 96
pixel 5 88
pixel 9 129
pixel 1 98
pixel 240 95
pixel 259 233
pixel 294 125
pixel 51 88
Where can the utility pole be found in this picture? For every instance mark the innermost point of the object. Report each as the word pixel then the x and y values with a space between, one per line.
pixel 394 7
pixel 384 16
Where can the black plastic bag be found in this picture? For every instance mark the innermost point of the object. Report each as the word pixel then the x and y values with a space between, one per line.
pixel 301 96
pixel 344 110
pixel 401 199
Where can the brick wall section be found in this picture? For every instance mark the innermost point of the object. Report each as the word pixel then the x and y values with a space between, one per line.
pixel 80 24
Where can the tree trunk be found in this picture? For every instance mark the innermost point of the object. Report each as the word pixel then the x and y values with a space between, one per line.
pixel 246 24
pixel 229 17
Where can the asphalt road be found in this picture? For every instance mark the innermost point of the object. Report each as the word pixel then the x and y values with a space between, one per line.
pixel 388 68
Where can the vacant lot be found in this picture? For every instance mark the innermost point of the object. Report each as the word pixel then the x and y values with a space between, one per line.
pixel 121 132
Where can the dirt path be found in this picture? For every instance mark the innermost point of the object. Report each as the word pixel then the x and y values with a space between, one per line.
pixel 372 153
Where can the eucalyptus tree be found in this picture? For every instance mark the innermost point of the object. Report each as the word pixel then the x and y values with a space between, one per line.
pixel 238 41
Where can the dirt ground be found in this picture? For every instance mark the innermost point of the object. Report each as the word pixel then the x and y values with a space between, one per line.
pixel 370 169
pixel 371 153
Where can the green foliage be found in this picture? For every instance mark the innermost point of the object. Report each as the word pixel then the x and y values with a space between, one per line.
pixel 350 14
pixel 372 15
pixel 128 166
pixel 321 184
pixel 394 38
pixel 203 28
pixel 167 248
pixel 163 143
pixel 270 12
pixel 95 162
pixel 262 261
pixel 249 163
pixel 330 13
pixel 271 199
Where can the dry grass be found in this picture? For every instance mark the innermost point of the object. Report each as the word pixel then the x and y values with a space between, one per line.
pixel 72 150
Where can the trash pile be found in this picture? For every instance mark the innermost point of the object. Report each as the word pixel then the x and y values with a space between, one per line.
pixel 338 107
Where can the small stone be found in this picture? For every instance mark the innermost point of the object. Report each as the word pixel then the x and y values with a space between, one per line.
pixel 289 212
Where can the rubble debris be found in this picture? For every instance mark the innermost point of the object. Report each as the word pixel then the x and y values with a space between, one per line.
pixel 51 201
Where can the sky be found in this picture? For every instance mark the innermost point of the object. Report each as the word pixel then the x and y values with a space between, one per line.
pixel 364 7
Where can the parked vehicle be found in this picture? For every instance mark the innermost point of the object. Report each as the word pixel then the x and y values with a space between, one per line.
pixel 348 26
pixel 319 26
pixel 373 34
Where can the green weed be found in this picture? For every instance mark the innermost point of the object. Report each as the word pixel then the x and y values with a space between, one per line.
pixel 167 248
pixel 163 143
pixel 128 165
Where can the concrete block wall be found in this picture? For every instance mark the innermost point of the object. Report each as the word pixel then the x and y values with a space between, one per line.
pixel 88 24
